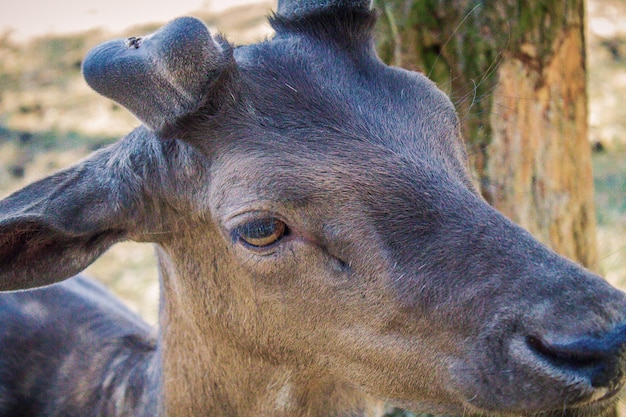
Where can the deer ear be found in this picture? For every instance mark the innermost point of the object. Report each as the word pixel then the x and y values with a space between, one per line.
pixel 56 227
pixel 161 77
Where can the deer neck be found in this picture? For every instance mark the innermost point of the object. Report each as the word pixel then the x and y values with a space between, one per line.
pixel 208 372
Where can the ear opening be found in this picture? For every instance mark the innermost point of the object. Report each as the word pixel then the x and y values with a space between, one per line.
pixel 32 254
pixel 54 228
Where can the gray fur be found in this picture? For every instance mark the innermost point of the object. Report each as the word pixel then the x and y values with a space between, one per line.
pixel 299 9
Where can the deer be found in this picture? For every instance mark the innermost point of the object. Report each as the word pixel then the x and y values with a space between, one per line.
pixel 322 248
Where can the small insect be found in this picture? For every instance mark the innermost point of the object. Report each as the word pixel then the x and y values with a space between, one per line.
pixel 134 42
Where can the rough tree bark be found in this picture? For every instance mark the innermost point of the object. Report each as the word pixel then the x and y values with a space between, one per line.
pixel 516 72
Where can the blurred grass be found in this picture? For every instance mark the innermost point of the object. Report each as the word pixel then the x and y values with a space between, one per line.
pixel 129 268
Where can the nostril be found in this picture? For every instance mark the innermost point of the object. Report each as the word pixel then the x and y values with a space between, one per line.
pixel 565 355
pixel 600 360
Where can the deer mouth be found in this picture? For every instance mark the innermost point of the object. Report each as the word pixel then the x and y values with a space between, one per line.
pixel 588 372
pixel 597 363
pixel 593 368
pixel 535 375
pixel 594 408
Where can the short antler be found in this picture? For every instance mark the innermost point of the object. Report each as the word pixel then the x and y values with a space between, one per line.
pixel 301 8
pixel 161 77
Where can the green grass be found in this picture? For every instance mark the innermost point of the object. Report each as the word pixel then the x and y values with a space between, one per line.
pixel 610 186
pixel 610 198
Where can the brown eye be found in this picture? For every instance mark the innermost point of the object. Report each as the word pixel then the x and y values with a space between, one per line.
pixel 261 233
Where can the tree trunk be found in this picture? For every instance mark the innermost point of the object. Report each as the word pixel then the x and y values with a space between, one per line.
pixel 516 73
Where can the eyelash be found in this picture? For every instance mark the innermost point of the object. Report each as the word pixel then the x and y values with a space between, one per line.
pixel 261 233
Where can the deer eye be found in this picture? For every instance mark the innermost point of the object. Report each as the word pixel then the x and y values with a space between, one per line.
pixel 260 233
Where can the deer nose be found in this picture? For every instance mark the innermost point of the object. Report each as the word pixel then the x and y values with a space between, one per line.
pixel 601 360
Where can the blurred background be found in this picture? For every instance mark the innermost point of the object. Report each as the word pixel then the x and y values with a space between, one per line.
pixel 49 118
pixel 606 86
